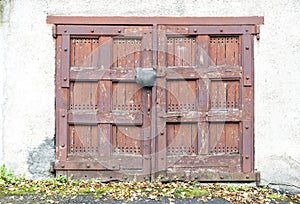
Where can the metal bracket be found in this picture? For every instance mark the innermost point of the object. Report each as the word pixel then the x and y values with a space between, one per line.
pixel 257 32
pixel 52 167
pixel 145 76
pixel 54 31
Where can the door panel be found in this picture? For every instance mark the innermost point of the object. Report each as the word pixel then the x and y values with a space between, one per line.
pixel 107 112
pixel 201 101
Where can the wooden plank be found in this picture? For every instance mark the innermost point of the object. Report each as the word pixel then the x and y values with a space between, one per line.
pixel 115 52
pixel 247 154
pixel 203 138
pixel 130 44
pixel 65 61
pixel 217 138
pixel 94 74
pixel 59 102
pixel 91 117
pixel 117 20
pixel 89 30
pixel 105 58
pixel 122 53
pixel 63 135
pixel 178 51
pixel 216 116
pixel 220 50
pixel 162 49
pixel 202 43
pixel 104 96
pixel 95 52
pixel 213 42
pixel 221 30
pixel 147 60
pixel 247 60
pixel 232 137
pixel 204 161
pixel 170 52
pixel 105 139
pixel 233 99
pixel 232 55
pixel 86 165
pixel 137 53
pixel 161 125
pixel 206 176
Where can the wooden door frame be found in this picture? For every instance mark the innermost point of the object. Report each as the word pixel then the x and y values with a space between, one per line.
pixel 247 27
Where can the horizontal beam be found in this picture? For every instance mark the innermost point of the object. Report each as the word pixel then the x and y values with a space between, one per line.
pixel 108 163
pixel 122 20
pixel 90 30
pixel 105 118
pixel 213 176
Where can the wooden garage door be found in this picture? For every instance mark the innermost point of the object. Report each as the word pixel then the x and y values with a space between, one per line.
pixel 194 123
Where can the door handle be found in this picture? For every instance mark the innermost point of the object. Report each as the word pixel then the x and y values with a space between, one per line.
pixel 149 102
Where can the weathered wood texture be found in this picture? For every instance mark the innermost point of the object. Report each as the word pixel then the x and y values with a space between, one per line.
pixel 198 116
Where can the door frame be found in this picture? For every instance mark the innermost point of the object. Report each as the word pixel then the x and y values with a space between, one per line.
pixel 247 27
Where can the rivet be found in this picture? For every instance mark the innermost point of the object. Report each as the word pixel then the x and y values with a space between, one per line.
pixel 92 30
pixel 246 157
pixel 65 31
pixel 247 177
pixel 62 166
pixel 195 30
pixel 62 145
pixel 196 177
pixel 65 78
pixel 88 166
pixel 247 77
pixel 247 31
pixel 63 115
pixel 221 177
pixel 247 48
pixel 247 127
pixel 161 158
pixel 221 30
pixel 162 133
pixel 119 31
pixel 66 49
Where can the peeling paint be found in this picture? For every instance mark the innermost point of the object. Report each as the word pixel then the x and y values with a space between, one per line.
pixel 39 159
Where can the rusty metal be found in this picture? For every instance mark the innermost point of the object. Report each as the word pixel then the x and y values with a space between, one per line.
pixel 54 31
pixel 195 123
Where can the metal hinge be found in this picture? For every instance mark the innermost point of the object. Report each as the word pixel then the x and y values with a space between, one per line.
pixel 54 31
pixel 257 32
pixel 52 167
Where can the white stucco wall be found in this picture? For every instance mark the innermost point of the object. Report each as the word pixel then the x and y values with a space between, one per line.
pixel 27 76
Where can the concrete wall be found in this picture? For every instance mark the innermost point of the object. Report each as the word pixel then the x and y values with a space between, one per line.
pixel 27 76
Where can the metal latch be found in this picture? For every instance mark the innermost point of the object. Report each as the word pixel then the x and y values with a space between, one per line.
pixel 145 76
pixel 171 116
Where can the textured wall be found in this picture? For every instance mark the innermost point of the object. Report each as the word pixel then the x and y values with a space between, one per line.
pixel 27 76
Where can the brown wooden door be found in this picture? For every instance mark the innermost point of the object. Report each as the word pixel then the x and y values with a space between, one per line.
pixel 199 105
pixel 103 114
pixel 195 123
